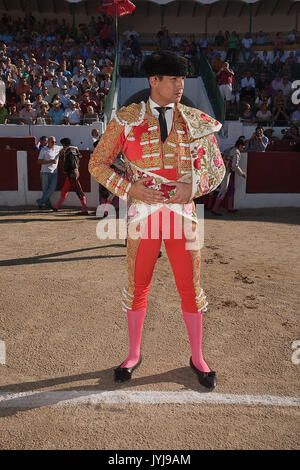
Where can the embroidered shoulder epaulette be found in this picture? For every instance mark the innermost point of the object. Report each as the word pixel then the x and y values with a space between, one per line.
pixel 199 123
pixel 132 115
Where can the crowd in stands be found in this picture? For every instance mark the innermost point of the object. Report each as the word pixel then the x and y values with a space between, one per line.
pixel 256 87
pixel 53 74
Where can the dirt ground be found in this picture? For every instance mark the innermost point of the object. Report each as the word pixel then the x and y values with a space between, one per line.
pixel 61 321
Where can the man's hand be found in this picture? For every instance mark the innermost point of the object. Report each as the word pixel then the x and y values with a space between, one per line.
pixel 139 191
pixel 183 193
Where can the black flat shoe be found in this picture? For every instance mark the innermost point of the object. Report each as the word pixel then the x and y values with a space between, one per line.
pixel 207 379
pixel 122 374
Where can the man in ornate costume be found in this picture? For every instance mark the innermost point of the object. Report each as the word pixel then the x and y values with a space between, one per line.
pixel 171 157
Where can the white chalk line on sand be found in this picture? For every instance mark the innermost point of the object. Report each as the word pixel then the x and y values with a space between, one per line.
pixel 81 397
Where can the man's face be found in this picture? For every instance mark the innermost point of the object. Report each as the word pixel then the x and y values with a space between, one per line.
pixel 51 142
pixel 167 90
pixel 259 132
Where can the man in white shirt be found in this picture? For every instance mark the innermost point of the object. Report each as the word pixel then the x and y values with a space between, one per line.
pixel 65 97
pixel 72 114
pixel 248 86
pixel 48 159
pixel 286 86
pixel 247 47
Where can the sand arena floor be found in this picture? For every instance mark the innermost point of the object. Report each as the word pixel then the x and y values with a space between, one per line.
pixel 64 330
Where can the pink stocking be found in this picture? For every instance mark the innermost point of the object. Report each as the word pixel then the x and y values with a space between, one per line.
pixel 135 321
pixel 193 322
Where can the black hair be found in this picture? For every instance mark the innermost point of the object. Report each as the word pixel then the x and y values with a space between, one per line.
pixel 65 141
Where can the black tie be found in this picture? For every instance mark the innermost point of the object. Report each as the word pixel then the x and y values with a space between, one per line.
pixel 162 122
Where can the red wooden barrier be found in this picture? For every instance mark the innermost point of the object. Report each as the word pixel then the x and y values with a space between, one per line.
pixel 8 170
pixel 18 143
pixel 34 182
pixel 273 172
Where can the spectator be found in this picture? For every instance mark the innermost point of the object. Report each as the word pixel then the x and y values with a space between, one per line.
pixel 219 39
pixel 27 114
pixel 72 88
pixel 38 102
pixel 56 113
pixel 247 47
pixel 269 134
pixel 48 159
pixel 286 86
pixel 225 75
pixel 95 134
pixel 130 32
pixel 262 98
pixel 292 37
pixel 54 88
pixel 45 95
pixel 248 86
pixel 278 44
pixel 176 41
pixel 90 116
pixel 280 111
pixel 233 45
pixel 65 97
pixel 3 113
pixel 260 38
pixel 73 114
pixel 86 102
pixel 262 83
pixel 13 115
pixel 265 60
pixel 135 46
pixel 247 115
pixel 258 142
pixel 291 134
pixel 23 87
pixel 105 84
pixel 42 143
pixel 264 115
pixel 71 158
pixel 295 116
pixel 235 95
pixel 43 117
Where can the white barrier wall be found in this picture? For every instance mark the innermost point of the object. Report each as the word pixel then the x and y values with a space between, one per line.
pixel 24 197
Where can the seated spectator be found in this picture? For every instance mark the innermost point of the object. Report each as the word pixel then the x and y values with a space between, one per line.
pixel 126 69
pixel 219 39
pixel 23 87
pixel 64 97
pixel 61 78
pixel 38 102
pixel 13 115
pixel 235 95
pixel 37 87
pixel 90 116
pixel 286 86
pixel 247 115
pixel 3 113
pixel 54 88
pixel 291 59
pixel 292 37
pixel 247 47
pixel 258 142
pixel 264 115
pixel 45 94
pixel 57 113
pixel 43 117
pixel 105 84
pixel 276 83
pixel 86 102
pixel 135 46
pixel 27 115
pixel 262 98
pixel 280 112
pixel 295 116
pixel 73 114
pixel 72 89
pixel 109 68
pixel 293 137
pixel 278 44
pixel 265 60
pixel 176 42
pixel 260 38
pixel 225 75
pixel 248 86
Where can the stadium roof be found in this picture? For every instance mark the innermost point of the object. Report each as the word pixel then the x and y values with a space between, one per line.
pixel 179 7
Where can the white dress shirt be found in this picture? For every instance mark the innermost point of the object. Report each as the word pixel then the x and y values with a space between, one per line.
pixel 169 113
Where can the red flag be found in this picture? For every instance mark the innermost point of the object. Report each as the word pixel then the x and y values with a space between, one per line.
pixel 117 7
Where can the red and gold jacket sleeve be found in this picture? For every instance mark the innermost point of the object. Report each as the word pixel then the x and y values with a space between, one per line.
pixel 103 157
pixel 209 166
